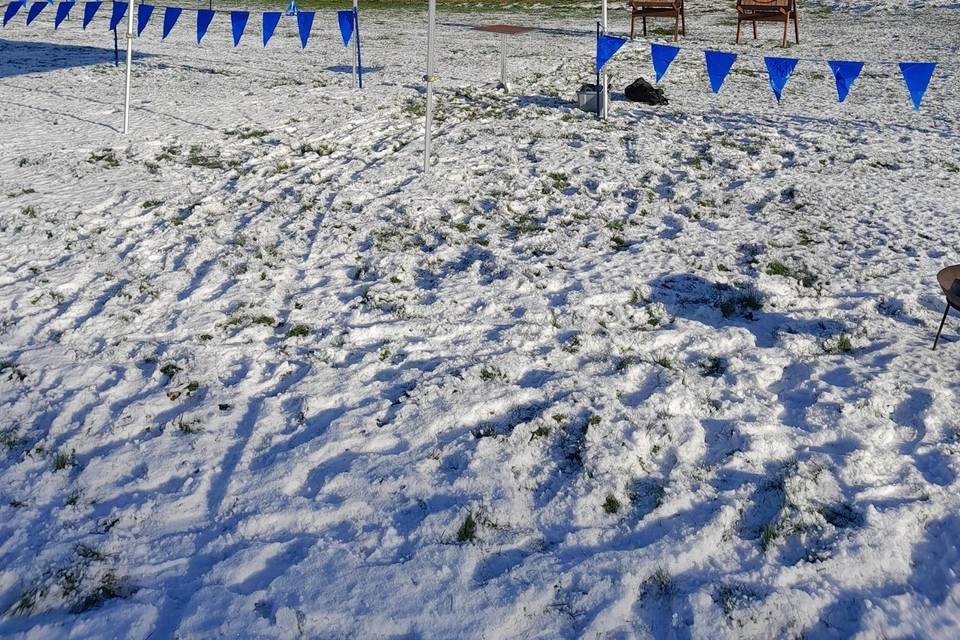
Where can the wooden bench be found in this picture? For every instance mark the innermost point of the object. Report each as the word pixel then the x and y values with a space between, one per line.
pixel 658 9
pixel 768 11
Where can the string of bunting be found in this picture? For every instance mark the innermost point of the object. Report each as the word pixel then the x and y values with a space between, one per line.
pixel 916 75
pixel 347 20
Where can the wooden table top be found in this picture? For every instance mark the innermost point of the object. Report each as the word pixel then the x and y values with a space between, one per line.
pixel 508 29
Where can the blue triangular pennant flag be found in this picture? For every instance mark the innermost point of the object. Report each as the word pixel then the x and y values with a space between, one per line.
pixel 170 17
pixel 238 22
pixel 89 10
pixel 345 18
pixel 662 56
pixel 844 73
pixel 63 10
pixel 916 75
pixel 119 10
pixel 304 24
pixel 292 8
pixel 270 21
pixel 144 11
pixel 204 17
pixel 34 11
pixel 607 46
pixel 779 70
pixel 718 66
pixel 11 11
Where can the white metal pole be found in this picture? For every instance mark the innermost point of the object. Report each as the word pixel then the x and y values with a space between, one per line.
pixel 603 77
pixel 431 14
pixel 356 78
pixel 126 99
pixel 503 62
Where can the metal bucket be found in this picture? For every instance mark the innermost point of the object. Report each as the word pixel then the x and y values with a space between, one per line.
pixel 587 98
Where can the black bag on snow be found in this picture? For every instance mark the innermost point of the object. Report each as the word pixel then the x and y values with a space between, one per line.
pixel 642 91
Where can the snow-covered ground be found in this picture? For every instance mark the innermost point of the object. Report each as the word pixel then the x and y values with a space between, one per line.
pixel 667 375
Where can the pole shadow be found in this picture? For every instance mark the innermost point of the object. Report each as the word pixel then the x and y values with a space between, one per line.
pixel 20 57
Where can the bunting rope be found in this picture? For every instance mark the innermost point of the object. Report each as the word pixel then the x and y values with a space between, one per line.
pixel 348 20
pixel 916 75
pixel 577 33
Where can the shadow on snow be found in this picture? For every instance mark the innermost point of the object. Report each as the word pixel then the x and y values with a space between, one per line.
pixel 19 58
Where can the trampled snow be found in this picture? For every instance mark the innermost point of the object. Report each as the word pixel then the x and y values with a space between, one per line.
pixel 667 375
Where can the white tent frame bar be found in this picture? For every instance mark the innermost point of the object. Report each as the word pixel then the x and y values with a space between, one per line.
pixel 126 97
pixel 430 78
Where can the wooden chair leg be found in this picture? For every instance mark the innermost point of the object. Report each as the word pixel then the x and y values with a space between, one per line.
pixel 754 29
pixel 786 23
pixel 683 22
pixel 942 320
pixel 676 27
pixel 738 30
pixel 796 27
pixel 633 17
pixel 644 26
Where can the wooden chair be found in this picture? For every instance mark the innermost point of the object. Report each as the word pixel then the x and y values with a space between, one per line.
pixel 658 9
pixel 768 11
pixel 949 281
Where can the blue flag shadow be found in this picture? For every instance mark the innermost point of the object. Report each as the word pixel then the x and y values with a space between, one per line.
pixel 19 58
pixel 346 68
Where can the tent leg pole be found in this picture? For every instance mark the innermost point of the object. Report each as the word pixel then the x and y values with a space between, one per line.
pixel 596 87
pixel 431 11
pixel 356 77
pixel 356 33
pixel 604 79
pixel 126 99
pixel 942 320
pixel 503 63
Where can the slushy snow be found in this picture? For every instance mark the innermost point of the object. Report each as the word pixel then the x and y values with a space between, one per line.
pixel 663 376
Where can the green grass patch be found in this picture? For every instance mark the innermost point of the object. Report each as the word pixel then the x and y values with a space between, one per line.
pixel 841 344
pixel 266 321
pixel 468 530
pixel 169 370
pixel 247 133
pixel 713 367
pixel 199 157
pixel 299 331
pixel 741 305
pixel 559 179
pixel 63 461
pixel 611 505
pixel 540 432
pixel 662 32
pixel 777 269
pixel 9 438
pixel 104 157
pixel 12 370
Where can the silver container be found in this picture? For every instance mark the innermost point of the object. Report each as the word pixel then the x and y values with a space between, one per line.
pixel 587 98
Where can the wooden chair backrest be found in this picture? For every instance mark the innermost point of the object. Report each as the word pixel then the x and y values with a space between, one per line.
pixel 652 4
pixel 765 4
